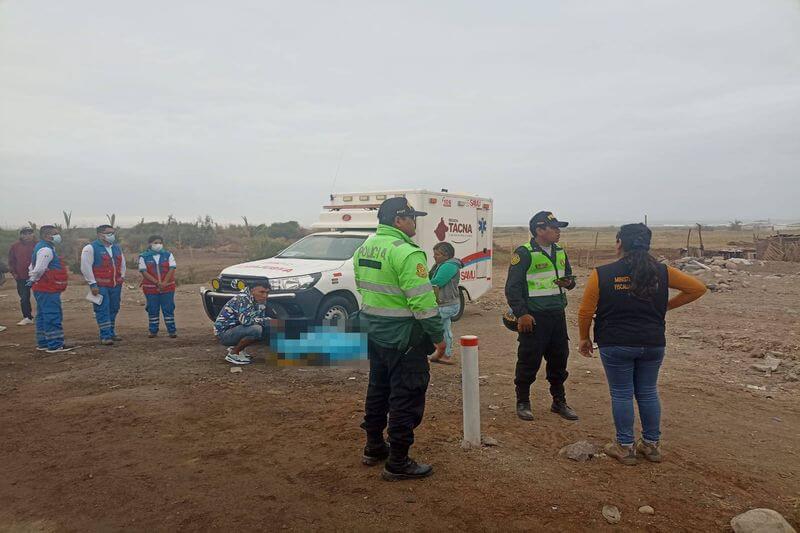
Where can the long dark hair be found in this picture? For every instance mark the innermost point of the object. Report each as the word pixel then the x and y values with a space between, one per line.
pixel 635 239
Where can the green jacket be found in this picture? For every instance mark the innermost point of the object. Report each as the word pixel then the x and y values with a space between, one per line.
pixel 399 304
pixel 530 285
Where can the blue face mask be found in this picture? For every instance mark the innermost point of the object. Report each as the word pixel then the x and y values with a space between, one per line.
pixel 56 239
pixel 110 237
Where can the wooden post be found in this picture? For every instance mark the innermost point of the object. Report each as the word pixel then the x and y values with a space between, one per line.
pixel 594 252
pixel 700 234
pixel 688 237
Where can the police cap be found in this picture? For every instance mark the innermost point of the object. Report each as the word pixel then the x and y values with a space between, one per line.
pixel 396 207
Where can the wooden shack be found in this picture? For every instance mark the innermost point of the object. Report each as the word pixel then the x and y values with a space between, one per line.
pixel 780 247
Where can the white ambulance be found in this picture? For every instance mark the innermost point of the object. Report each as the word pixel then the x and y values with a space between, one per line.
pixel 313 278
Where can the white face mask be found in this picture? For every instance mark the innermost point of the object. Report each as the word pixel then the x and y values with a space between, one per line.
pixel 109 237
pixel 156 247
pixel 56 239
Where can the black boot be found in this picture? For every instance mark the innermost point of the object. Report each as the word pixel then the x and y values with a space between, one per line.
pixel 408 470
pixel 562 409
pixel 524 410
pixel 375 453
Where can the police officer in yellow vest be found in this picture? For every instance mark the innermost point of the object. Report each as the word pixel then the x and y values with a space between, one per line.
pixel 538 277
pixel 403 327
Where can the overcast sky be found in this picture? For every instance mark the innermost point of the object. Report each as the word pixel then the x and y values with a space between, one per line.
pixel 688 110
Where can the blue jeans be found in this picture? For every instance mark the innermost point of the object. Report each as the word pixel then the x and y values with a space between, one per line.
pixel 106 312
pixel 447 312
pixel 163 303
pixel 236 334
pixel 49 332
pixel 633 371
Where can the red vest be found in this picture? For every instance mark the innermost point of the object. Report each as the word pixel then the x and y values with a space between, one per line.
pixel 163 267
pixel 54 278
pixel 107 273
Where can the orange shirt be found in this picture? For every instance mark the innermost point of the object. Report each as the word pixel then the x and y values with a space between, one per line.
pixel 691 289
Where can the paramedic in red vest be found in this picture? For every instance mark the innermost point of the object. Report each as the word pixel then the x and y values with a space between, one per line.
pixel 47 277
pixel 103 267
pixel 157 267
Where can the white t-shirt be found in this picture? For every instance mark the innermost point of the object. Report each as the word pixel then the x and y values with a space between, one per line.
pixel 43 257
pixel 157 258
pixel 87 260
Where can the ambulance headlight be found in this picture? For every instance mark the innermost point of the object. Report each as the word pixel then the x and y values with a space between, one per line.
pixel 295 283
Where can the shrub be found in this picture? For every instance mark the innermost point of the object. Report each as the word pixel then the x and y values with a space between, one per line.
pixel 285 230
pixel 262 247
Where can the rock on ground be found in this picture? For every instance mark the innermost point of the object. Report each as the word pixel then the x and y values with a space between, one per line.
pixel 611 514
pixel 761 521
pixel 579 451
pixel 769 363
pixel 488 441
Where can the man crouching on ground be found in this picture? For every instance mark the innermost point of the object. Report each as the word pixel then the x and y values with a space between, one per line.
pixel 244 321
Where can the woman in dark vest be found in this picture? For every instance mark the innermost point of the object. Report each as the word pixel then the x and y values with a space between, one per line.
pixel 445 276
pixel 629 300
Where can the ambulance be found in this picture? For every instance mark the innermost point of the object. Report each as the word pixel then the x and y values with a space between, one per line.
pixel 313 278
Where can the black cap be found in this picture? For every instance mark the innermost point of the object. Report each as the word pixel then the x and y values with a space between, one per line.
pixel 396 207
pixel 635 237
pixel 543 219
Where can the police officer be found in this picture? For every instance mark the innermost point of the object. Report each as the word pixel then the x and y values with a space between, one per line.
pixel 537 278
pixel 403 327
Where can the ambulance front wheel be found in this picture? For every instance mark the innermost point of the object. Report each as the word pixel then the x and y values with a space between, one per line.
pixel 462 302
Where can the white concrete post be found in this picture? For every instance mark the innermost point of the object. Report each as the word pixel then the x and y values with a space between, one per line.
pixel 470 391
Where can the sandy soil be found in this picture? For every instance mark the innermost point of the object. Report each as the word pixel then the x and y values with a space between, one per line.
pixel 157 434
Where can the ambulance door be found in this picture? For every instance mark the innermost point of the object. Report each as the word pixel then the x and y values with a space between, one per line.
pixel 483 237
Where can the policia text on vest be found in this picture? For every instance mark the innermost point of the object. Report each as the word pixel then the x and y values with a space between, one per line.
pixel 533 288
pixel 402 322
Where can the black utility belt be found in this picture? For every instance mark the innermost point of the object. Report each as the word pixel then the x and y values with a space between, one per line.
pixel 549 312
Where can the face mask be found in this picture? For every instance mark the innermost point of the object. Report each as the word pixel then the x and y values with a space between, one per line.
pixel 56 239
pixel 109 237
pixel 156 247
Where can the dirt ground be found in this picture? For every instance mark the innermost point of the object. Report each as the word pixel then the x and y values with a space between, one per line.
pixel 157 434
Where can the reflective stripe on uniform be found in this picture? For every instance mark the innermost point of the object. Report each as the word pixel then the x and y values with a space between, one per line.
pixel 378 287
pixel 422 315
pixel 419 289
pixel 390 312
pixel 532 293
pixel 540 275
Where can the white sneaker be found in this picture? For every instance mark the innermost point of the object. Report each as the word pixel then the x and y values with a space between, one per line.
pixel 62 349
pixel 236 359
pixel 41 348
pixel 242 358
pixel 25 322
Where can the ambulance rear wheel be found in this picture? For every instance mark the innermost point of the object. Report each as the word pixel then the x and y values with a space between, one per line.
pixel 335 309
pixel 462 302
